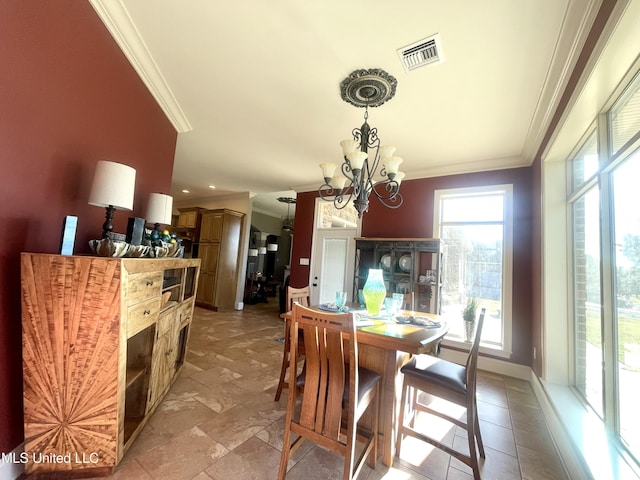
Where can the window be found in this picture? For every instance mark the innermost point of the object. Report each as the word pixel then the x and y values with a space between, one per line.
pixel 328 216
pixel 606 270
pixel 475 224
pixel 626 311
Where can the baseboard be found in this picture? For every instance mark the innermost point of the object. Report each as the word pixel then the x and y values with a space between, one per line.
pixel 573 465
pixel 581 437
pixel 10 466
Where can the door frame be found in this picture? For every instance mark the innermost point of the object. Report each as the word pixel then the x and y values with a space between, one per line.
pixel 318 237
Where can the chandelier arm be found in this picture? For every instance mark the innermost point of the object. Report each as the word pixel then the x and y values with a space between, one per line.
pixel 393 198
pixel 393 202
pixel 390 186
pixel 346 170
pixel 339 202
pixel 325 190
pixel 354 182
pixel 340 198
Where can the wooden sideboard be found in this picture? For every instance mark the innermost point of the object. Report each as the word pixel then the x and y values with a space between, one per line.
pixel 103 339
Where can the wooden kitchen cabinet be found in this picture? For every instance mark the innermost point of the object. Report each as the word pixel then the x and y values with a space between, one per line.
pixel 188 218
pixel 213 223
pixel 219 250
pixel 103 340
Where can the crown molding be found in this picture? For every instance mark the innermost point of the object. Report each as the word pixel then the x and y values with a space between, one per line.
pixel 574 32
pixel 116 18
pixel 462 168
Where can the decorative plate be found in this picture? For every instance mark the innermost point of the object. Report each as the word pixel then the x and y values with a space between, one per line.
pixel 405 263
pixel 332 307
pixel 385 262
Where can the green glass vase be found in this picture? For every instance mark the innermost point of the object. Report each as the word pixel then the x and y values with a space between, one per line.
pixel 374 291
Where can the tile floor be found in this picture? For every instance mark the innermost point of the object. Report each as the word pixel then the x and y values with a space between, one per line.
pixel 219 420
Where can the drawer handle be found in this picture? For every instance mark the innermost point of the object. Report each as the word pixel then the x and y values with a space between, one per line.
pixel 147 312
pixel 149 283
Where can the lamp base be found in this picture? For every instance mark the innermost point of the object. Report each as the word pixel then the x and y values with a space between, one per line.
pixel 107 226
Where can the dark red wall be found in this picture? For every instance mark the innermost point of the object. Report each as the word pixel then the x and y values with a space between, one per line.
pixel 415 219
pixel 68 98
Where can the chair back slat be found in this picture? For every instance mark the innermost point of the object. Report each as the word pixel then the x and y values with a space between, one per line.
pixel 326 356
pixel 336 384
pixel 408 302
pixel 298 295
pixel 312 368
pixel 472 359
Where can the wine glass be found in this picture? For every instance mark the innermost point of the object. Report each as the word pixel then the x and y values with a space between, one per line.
pixel 341 299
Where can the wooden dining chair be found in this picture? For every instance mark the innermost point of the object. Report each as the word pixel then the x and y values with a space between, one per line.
pixel 336 391
pixel 449 381
pixel 408 302
pixel 294 295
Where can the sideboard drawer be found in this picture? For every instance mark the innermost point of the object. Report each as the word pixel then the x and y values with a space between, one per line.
pixel 141 315
pixel 142 286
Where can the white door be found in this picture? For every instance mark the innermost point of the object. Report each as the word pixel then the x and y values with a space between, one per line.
pixel 333 253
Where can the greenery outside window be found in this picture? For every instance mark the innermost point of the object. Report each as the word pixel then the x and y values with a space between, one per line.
pixel 606 274
pixel 475 224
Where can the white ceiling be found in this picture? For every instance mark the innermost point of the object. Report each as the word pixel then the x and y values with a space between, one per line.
pixel 253 86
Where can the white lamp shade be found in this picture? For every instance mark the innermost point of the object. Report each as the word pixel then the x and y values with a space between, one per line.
pixel 328 169
pixel 113 184
pixel 160 208
pixel 356 159
pixel 398 178
pixel 338 182
pixel 391 164
pixel 387 151
pixel 253 252
pixel 349 146
pixel 263 250
pixel 272 247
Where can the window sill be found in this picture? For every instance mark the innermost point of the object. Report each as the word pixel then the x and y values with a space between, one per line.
pixel 598 457
pixel 492 351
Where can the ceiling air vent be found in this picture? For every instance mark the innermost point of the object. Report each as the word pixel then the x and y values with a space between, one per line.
pixel 421 53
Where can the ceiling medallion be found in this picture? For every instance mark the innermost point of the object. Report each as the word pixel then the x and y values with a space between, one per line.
pixel 368 87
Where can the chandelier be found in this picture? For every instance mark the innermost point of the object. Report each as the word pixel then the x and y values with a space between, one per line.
pixel 287 225
pixel 364 157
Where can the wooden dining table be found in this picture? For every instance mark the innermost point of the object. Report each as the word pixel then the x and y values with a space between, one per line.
pixel 384 346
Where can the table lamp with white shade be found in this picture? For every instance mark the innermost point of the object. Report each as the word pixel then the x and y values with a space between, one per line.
pixel 159 212
pixel 113 188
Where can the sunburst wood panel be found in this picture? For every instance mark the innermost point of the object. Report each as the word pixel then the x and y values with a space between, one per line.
pixel 71 322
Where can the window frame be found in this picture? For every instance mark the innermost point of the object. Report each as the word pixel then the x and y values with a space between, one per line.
pixel 603 181
pixel 505 349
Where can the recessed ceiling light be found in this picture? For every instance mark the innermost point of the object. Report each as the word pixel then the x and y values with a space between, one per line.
pixel 185 191
pixel 212 187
